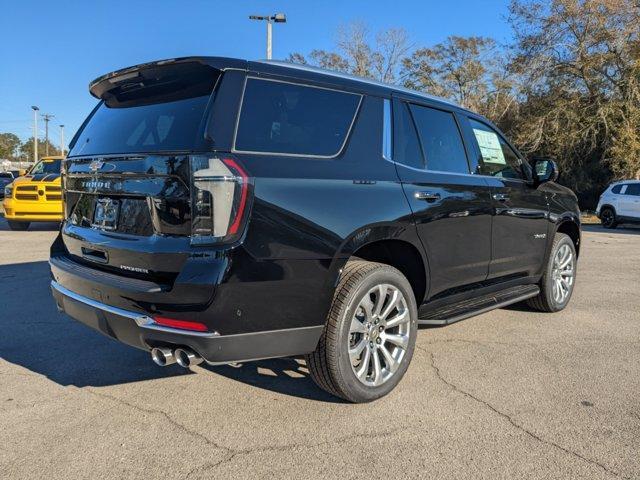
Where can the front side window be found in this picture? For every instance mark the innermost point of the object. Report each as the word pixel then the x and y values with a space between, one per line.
pixel 441 140
pixel 291 119
pixel 498 158
pixel 616 189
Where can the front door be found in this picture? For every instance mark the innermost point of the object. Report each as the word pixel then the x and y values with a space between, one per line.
pixel 520 221
pixel 451 207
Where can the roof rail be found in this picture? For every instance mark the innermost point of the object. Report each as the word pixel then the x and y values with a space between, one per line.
pixel 355 78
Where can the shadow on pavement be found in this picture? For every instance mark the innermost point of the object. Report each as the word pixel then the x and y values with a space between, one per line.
pixel 620 229
pixel 39 338
pixel 34 226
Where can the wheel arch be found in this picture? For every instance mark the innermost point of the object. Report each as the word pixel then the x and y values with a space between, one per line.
pixel 572 229
pixel 608 205
pixel 396 246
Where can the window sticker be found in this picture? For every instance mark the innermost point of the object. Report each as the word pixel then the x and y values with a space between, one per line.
pixel 490 147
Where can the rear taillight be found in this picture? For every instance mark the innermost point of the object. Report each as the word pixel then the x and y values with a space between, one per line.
pixel 219 199
pixel 181 324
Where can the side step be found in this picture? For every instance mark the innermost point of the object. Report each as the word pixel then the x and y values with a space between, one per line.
pixel 476 306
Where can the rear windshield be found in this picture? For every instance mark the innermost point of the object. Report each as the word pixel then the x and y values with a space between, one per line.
pixel 156 127
pixel 157 109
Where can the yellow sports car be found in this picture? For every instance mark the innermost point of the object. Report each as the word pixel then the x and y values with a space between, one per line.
pixel 36 196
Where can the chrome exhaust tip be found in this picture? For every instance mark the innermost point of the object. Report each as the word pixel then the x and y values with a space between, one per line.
pixel 186 357
pixel 162 356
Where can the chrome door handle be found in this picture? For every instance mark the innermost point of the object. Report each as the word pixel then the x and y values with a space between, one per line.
pixel 500 197
pixel 428 196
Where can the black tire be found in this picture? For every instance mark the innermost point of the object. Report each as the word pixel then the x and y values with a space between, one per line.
pixel 330 365
pixel 608 218
pixel 18 226
pixel 545 301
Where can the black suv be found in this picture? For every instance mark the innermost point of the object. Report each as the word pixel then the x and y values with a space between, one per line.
pixel 226 211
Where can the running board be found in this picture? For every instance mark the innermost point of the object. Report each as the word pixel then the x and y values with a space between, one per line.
pixel 469 308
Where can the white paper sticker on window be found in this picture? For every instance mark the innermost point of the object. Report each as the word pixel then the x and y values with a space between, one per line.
pixel 490 147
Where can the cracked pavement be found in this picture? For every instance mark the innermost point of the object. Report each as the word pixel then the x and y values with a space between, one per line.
pixel 509 394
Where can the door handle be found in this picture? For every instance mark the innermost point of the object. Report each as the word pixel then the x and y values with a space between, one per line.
pixel 500 197
pixel 428 196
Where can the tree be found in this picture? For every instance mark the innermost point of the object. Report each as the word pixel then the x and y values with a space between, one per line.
pixel 580 67
pixel 467 70
pixel 26 149
pixel 358 55
pixel 9 145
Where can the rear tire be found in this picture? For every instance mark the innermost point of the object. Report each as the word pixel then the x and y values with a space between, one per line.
pixel 369 339
pixel 558 280
pixel 18 226
pixel 608 218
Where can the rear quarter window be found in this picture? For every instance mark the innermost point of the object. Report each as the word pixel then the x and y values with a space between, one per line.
pixel 292 119
pixel 616 189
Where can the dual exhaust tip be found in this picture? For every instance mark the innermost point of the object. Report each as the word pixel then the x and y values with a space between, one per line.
pixel 183 356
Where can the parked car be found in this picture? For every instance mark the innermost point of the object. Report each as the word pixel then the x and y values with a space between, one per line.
pixel 36 196
pixel 620 203
pixel 228 211
pixel 5 179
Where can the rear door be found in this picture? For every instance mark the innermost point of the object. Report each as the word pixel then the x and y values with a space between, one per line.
pixel 629 201
pixel 451 207
pixel 520 222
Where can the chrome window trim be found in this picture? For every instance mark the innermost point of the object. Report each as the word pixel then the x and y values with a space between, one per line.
pixel 387 130
pixel 440 172
pixel 302 155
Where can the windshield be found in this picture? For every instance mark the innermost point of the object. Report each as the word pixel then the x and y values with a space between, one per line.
pixel 49 166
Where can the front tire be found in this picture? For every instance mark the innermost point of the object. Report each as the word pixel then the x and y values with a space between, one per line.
pixel 18 226
pixel 558 280
pixel 608 218
pixel 369 339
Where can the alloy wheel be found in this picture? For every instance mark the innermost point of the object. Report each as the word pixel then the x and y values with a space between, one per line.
pixel 379 334
pixel 563 273
pixel 607 218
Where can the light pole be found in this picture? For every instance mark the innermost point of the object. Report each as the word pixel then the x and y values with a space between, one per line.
pixel 61 140
pixel 270 19
pixel 35 133
pixel 46 117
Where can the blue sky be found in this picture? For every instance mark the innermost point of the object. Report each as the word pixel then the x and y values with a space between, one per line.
pixel 51 50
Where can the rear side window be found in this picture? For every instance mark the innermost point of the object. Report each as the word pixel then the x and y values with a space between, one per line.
pixel 616 189
pixel 633 189
pixel 286 118
pixel 441 140
pixel 406 148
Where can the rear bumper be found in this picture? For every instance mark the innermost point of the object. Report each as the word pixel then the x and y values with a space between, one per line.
pixel 140 331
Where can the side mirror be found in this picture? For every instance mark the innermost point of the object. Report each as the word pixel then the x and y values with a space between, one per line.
pixel 544 170
pixel 22 172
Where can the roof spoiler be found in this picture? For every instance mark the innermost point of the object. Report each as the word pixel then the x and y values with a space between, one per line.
pixel 156 71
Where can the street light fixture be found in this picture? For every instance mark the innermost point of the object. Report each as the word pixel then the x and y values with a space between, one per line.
pixel 270 19
pixel 35 133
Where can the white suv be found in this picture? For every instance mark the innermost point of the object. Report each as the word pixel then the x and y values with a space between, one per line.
pixel 620 203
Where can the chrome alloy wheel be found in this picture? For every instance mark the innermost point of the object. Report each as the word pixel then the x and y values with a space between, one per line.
pixel 379 334
pixel 563 274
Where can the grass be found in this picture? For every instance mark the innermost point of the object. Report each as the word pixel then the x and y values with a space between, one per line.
pixel 589 218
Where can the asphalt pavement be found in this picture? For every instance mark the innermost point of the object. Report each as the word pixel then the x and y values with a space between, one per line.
pixel 508 394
